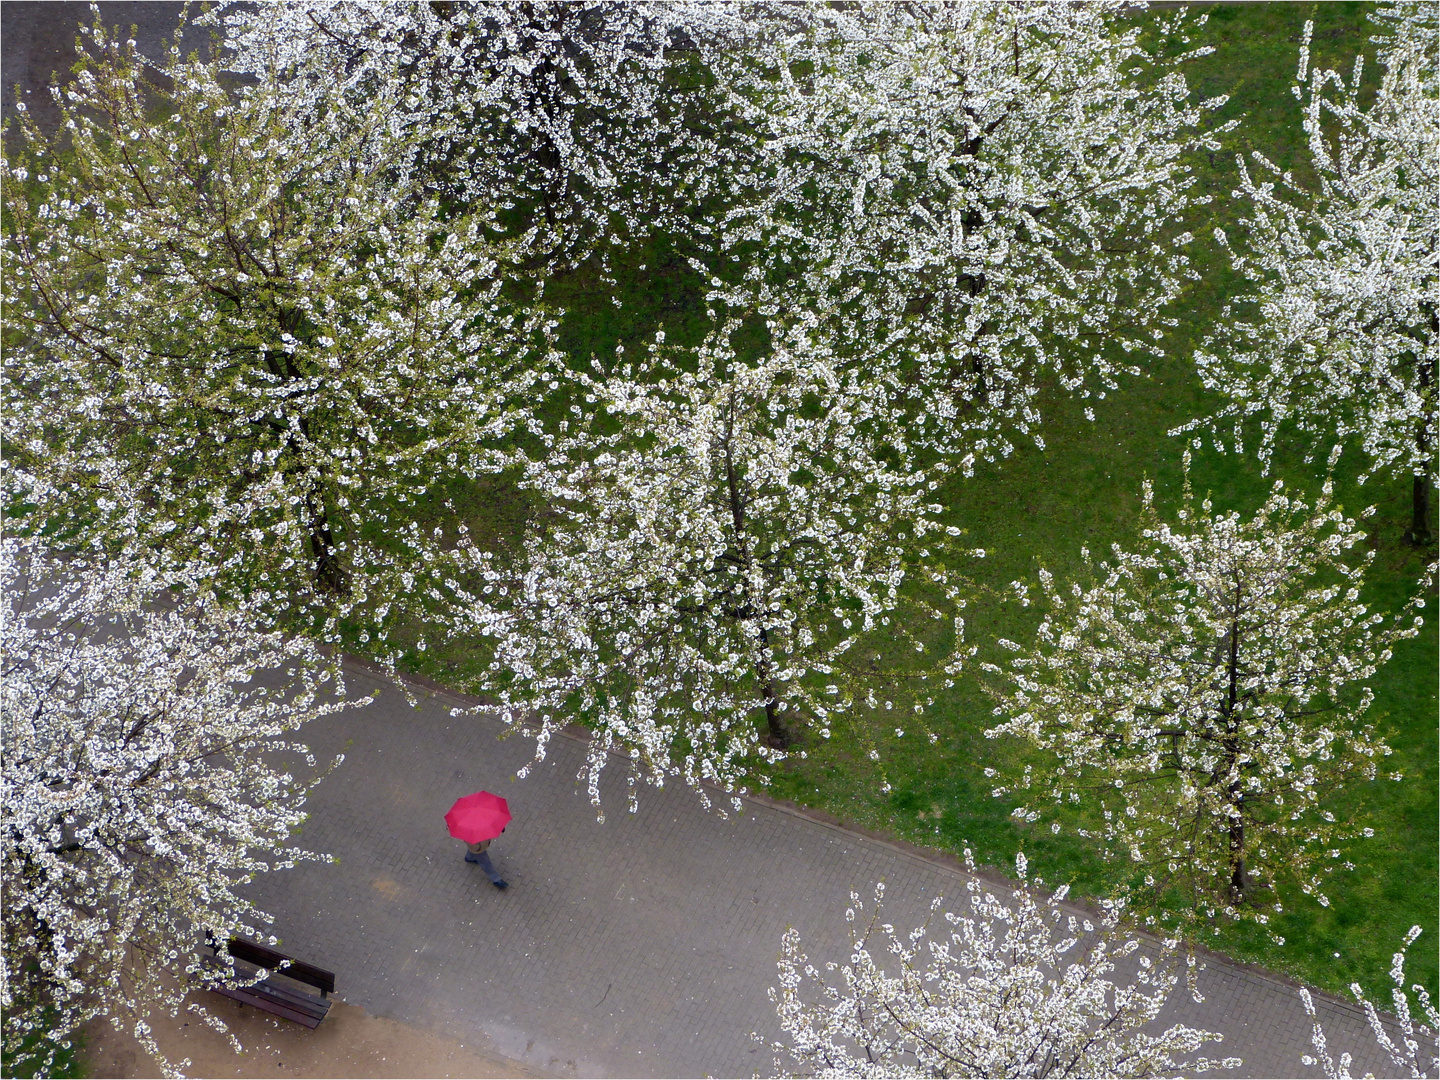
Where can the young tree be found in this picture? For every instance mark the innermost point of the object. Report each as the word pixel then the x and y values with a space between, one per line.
pixel 571 116
pixel 1338 336
pixel 147 775
pixel 1009 991
pixel 977 199
pixel 1203 697
pixel 1417 1059
pixel 722 540
pixel 235 332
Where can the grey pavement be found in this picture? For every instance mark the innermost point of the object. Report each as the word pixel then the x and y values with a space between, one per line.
pixel 640 947
pixel 37 42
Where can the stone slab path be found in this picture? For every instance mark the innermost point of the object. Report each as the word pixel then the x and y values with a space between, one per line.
pixel 640 947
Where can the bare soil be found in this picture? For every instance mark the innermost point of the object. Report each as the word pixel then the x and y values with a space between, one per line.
pixel 349 1043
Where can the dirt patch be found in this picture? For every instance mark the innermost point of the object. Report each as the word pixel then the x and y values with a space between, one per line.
pixel 349 1043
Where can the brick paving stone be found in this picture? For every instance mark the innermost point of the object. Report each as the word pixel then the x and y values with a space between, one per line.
pixel 639 947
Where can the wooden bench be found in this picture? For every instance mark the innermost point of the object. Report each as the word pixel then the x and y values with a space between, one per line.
pixel 274 994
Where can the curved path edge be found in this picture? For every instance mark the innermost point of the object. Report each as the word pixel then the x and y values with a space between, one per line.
pixel 640 947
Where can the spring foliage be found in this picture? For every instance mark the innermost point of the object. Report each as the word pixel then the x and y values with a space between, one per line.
pixel 261 324
pixel 574 120
pixel 1018 989
pixel 142 783
pixel 1203 696
pixel 934 197
pixel 720 543
pixel 241 337
pixel 1337 335
pixel 974 199
pixel 957 189
pixel 255 327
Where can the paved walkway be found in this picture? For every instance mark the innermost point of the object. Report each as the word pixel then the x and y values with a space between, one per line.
pixel 37 40
pixel 641 947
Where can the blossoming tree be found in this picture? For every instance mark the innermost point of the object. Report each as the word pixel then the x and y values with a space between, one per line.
pixel 571 117
pixel 978 199
pixel 240 335
pixel 1337 337
pixel 147 774
pixel 724 539
pixel 1018 989
pixel 1418 1051
pixel 1204 695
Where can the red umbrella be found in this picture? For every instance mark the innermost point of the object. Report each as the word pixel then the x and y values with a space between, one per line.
pixel 481 816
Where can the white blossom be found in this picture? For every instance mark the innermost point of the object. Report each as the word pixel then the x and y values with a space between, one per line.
pixel 1013 989
pixel 1337 336
pixel 1203 696
pixel 147 776
pixel 1417 1052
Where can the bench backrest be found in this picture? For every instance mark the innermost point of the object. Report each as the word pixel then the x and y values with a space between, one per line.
pixel 251 953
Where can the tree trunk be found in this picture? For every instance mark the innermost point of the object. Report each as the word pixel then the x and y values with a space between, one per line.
pixel 1420 533
pixel 1239 876
pixel 329 574
pixel 777 735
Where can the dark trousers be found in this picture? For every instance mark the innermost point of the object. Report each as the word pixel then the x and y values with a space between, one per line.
pixel 483 859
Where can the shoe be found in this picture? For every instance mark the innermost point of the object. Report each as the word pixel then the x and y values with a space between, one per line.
pixel 501 884
pixel 472 859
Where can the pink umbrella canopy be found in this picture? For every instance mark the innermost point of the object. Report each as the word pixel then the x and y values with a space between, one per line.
pixel 477 817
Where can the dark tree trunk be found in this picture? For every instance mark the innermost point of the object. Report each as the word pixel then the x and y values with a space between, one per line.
pixel 1420 533
pixel 329 573
pixel 776 734
pixel 1239 876
pixel 1420 500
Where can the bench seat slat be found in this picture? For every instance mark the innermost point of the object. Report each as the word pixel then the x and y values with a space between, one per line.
pixel 271 994
pixel 269 1004
pixel 271 984
pixel 314 1007
pixel 284 996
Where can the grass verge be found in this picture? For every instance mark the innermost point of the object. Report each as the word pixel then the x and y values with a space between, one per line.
pixel 1039 508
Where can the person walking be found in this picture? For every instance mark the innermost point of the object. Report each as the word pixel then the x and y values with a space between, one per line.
pixel 477 855
pixel 478 819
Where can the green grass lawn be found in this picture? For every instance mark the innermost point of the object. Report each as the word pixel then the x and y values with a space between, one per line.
pixel 1039 508
pixel 69 1063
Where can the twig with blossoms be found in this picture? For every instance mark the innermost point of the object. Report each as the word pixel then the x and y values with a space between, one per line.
pixel 1009 990
pixel 148 774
